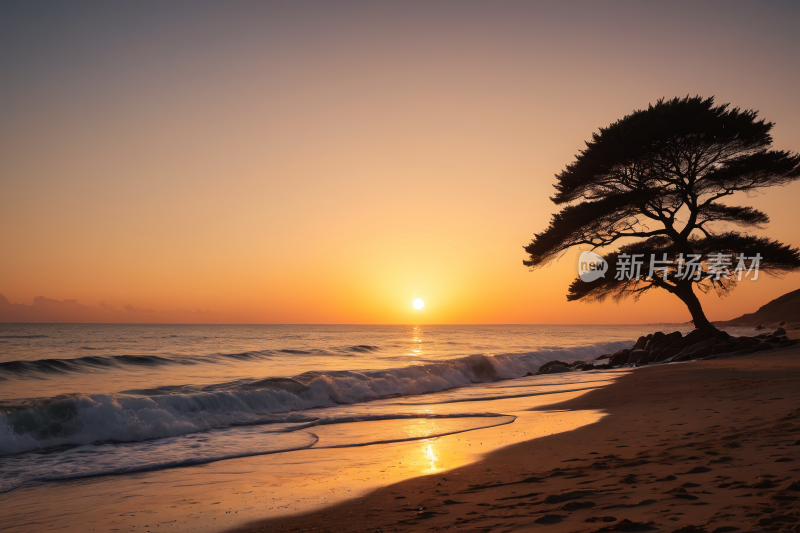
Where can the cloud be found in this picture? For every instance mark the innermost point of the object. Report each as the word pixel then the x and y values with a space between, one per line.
pixel 132 309
pixel 48 310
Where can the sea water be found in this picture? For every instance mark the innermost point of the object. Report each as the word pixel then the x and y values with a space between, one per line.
pixel 79 400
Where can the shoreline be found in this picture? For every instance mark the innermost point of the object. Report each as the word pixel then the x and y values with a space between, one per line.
pixel 674 450
pixel 234 492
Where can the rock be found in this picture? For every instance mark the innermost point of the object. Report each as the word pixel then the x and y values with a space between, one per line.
pixel 758 327
pixel 696 346
pixel 635 355
pixel 657 336
pixel 737 346
pixel 691 338
pixel 725 347
pixel 743 351
pixel 640 343
pixel 783 323
pixel 778 332
pixel 620 358
pixel 667 353
pixel 553 367
pixel 744 342
pixel 702 352
pixel 606 356
pixel 646 359
pixel 761 346
pixel 660 345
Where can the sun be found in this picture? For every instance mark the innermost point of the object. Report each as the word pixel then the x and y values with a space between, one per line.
pixel 418 303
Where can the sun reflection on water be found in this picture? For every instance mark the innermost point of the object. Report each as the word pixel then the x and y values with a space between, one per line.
pixel 417 339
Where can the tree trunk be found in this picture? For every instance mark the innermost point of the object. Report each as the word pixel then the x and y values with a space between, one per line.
pixel 686 293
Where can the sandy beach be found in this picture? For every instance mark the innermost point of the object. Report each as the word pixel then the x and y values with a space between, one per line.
pixel 703 446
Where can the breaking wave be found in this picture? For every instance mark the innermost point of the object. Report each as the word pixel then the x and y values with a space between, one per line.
pixel 163 412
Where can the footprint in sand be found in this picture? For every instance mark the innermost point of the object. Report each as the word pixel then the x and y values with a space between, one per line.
pixel 550 519
pixel 593 519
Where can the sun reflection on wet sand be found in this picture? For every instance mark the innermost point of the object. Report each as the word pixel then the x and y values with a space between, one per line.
pixel 432 459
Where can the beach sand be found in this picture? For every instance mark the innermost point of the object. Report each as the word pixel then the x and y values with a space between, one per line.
pixel 703 446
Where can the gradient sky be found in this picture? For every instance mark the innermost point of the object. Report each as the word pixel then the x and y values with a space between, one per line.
pixel 328 162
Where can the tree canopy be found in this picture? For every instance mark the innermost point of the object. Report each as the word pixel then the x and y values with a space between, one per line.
pixel 658 177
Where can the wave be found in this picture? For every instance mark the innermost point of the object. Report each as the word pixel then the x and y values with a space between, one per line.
pixel 29 368
pixel 24 336
pixel 362 348
pixel 79 419
pixel 78 364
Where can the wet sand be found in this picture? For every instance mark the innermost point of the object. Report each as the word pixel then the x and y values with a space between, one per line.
pixel 703 446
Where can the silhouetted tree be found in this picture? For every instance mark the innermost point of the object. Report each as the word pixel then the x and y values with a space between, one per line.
pixel 657 178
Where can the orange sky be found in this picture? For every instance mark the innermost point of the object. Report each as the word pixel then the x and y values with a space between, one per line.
pixel 279 164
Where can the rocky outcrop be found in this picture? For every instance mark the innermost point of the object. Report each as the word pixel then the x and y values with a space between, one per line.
pixel 662 347
pixel 641 342
pixel 657 337
pixel 693 337
pixel 666 342
pixel 554 367
pixel 620 357
pixel 696 347
pixel 636 355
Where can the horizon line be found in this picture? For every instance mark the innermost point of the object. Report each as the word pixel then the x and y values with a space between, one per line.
pixel 322 324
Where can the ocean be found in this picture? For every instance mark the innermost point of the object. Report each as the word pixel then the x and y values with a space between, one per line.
pixel 82 400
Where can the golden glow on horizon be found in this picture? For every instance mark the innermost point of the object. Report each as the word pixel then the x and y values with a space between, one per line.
pixel 418 303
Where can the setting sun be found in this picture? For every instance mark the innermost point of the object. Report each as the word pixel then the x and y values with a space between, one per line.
pixel 418 303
